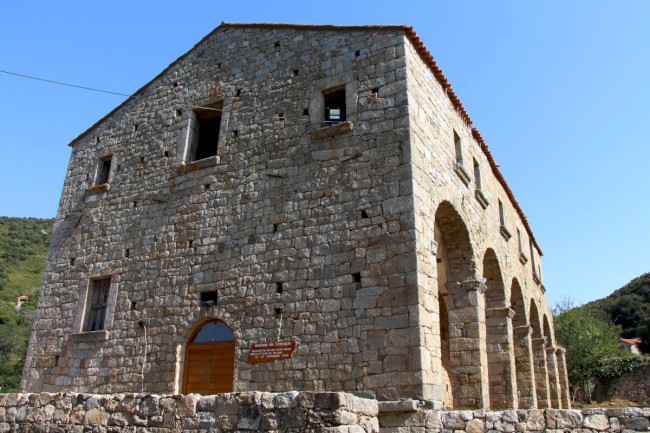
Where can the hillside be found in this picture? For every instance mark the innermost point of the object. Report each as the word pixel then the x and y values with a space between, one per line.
pixel 23 250
pixel 628 307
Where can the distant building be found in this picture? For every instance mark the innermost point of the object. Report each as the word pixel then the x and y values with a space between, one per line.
pixel 318 185
pixel 631 345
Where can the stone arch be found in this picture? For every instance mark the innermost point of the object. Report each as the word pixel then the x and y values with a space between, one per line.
pixel 461 333
pixel 539 357
pixel 524 370
pixel 499 344
pixel 209 365
pixel 548 331
pixel 552 364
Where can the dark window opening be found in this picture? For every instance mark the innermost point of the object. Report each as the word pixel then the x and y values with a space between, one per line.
pixel 459 148
pixel 98 301
pixel 135 204
pixel 281 116
pixel 276 44
pixel 295 72
pixel 209 124
pixel 238 92
pixel 334 106
pixel 209 298
pixel 103 170
pixel 357 53
pixel 305 112
pixel 374 92
pixel 133 305
pixel 179 113
pixel 190 243
pixel 218 65
pixel 235 133
pixel 166 154
pixel 206 186
pixel 279 311
pixel 275 228
pixel 71 261
pixel 364 214
pixel 279 287
pixel 477 175
pixel 502 219
pixel 175 83
pixel 135 127
pixel 127 252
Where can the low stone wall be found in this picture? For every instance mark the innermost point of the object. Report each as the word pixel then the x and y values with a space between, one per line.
pixel 633 386
pixel 236 412
pixel 422 420
pixel 289 412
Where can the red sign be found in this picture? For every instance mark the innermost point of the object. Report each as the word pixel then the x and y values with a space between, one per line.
pixel 264 352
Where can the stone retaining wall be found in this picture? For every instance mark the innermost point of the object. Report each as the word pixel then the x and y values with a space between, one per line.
pixel 246 411
pixel 633 386
pixel 290 412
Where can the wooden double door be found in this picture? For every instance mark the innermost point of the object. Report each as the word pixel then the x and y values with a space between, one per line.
pixel 210 365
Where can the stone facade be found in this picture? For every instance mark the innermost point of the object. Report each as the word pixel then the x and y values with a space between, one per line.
pixel 633 386
pixel 385 241
pixel 289 412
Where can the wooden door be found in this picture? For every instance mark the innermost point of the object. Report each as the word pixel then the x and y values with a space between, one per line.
pixel 210 365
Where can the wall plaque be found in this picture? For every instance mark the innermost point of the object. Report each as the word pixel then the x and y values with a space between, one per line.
pixel 264 352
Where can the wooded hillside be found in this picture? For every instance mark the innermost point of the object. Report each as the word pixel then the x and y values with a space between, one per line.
pixel 23 250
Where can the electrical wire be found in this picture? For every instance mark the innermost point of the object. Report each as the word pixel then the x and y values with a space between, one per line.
pixel 65 84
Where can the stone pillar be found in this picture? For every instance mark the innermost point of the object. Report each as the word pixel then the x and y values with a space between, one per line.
pixel 467 348
pixel 541 373
pixel 565 391
pixel 501 358
pixel 526 392
pixel 553 378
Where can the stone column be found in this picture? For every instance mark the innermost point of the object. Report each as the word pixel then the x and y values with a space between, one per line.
pixel 526 392
pixel 501 358
pixel 467 347
pixel 565 391
pixel 541 373
pixel 553 378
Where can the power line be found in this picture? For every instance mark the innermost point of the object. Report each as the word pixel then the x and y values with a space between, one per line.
pixel 64 84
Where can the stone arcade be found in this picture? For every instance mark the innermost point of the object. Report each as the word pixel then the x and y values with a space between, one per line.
pixel 320 186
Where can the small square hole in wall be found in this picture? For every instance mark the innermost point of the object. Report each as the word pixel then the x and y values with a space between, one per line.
pixel 56 360
pixel 166 154
pixel 142 160
pixel 279 311
pixel 281 116
pixel 206 187
pixel 374 92
pixel 179 113
pixel 295 72
pixel 276 44
pixel 238 92
pixel 135 204
pixel 133 305
pixel 305 112
pixel 218 65
pixel 275 228
pixel 235 132
pixel 356 277
pixel 364 214
pixel 135 127
pixel 279 287
pixel 97 139
pixel 209 298
pixel 71 261
pixel 175 84
pixel 127 252
pixel 119 167
pixel 190 244
pixel 357 53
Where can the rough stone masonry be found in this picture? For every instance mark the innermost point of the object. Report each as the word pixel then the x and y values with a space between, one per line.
pixel 320 185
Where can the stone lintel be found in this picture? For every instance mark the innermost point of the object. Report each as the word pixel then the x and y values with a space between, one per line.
pixel 539 341
pixel 467 285
pixel 500 312
pixel 551 350
pixel 524 329
pixel 400 406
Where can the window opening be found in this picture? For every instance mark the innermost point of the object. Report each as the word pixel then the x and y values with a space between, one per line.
pixel 213 331
pixel 103 170
pixel 209 298
pixel 477 175
pixel 357 53
pixel 364 214
pixel 334 106
pixel 71 261
pixel 133 305
pixel 295 72
pixel 209 124
pixel 238 92
pixel 127 252
pixel 459 148
pixel 279 287
pixel 502 219
pixel 305 112
pixel 98 300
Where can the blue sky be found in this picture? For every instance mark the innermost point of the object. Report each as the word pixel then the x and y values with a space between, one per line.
pixel 558 89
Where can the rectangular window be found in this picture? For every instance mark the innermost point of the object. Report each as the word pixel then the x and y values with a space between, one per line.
pixel 459 148
pixel 96 304
pixel 502 220
pixel 103 170
pixel 522 257
pixel 334 106
pixel 502 223
pixel 206 130
pixel 477 175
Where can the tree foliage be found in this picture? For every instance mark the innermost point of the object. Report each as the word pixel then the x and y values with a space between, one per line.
pixel 588 339
pixel 23 248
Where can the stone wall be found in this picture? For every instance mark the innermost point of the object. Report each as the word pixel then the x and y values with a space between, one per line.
pixel 633 386
pixel 290 412
pixel 253 411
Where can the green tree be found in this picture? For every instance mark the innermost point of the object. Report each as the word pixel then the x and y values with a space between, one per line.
pixel 588 340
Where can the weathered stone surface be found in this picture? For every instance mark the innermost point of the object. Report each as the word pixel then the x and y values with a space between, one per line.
pixel 598 422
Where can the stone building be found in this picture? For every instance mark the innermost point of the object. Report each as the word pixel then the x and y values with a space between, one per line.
pixel 321 186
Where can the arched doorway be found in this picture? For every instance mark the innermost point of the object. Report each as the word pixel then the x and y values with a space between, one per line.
pixel 210 360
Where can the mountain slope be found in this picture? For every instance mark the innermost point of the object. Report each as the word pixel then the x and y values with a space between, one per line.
pixel 23 250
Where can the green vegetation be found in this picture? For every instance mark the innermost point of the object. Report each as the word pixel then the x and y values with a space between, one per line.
pixel 628 307
pixel 23 250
